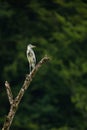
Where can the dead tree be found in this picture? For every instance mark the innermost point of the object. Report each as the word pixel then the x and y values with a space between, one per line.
pixel 14 103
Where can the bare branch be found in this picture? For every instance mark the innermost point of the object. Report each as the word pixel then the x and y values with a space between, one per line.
pixel 29 79
pixel 9 92
pixel 14 103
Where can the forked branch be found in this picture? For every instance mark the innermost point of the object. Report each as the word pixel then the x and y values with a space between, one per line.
pixel 9 92
pixel 14 103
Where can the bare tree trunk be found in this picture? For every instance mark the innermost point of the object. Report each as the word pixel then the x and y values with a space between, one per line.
pixel 15 103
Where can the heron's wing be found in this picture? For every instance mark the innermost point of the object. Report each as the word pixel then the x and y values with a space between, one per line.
pixel 31 56
pixel 34 60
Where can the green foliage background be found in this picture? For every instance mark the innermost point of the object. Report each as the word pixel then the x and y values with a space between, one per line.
pixel 57 97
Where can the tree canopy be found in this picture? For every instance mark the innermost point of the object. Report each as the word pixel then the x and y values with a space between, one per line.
pixel 57 97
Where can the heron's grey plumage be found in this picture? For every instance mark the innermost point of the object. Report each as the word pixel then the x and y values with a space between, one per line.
pixel 31 56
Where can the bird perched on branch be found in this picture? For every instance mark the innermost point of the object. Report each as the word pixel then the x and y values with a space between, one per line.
pixel 31 56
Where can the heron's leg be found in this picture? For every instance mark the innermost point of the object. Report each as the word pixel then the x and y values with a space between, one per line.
pixel 30 68
pixel 33 66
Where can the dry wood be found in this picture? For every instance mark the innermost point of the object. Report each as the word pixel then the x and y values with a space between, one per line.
pixel 14 103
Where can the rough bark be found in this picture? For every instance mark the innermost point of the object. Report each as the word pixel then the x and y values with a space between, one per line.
pixel 15 103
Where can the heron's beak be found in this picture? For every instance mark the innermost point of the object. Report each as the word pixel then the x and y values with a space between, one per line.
pixel 33 46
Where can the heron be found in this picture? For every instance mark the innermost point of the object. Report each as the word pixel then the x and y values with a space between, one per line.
pixel 31 56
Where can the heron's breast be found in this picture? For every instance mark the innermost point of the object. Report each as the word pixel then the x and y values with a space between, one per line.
pixel 30 59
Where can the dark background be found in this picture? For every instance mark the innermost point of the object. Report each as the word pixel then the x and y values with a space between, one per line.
pixel 57 97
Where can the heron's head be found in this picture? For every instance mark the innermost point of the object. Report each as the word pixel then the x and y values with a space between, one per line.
pixel 31 46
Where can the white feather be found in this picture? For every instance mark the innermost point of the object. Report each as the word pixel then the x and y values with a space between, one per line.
pixel 31 56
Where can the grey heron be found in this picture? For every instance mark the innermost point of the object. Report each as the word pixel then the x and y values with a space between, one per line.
pixel 31 56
